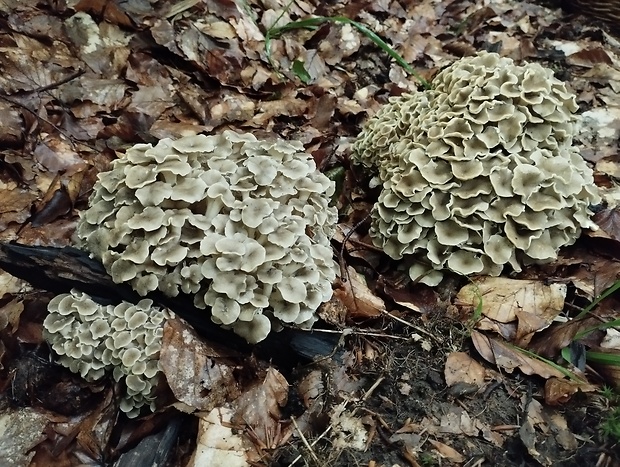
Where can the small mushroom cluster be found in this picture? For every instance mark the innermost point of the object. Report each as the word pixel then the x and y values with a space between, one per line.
pixel 478 172
pixel 92 339
pixel 242 225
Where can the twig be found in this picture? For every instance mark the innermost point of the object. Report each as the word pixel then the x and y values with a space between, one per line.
pixel 41 89
pixel 305 441
pixel 356 333
pixel 372 388
pixel 343 269
pixel 321 436
pixel 407 323
pixel 53 85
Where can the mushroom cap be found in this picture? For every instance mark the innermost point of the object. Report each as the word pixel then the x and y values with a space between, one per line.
pixel 95 339
pixel 476 172
pixel 220 217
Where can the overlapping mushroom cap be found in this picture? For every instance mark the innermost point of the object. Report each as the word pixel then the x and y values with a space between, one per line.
pixel 479 172
pixel 241 224
pixel 125 340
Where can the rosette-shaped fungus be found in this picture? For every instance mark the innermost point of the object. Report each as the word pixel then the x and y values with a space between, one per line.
pixel 241 224
pixel 125 340
pixel 480 172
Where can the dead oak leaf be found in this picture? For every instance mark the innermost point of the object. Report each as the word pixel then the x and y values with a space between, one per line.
pixel 532 303
pixel 360 301
pixel 461 368
pixel 199 374
pixel 258 408
pixel 509 358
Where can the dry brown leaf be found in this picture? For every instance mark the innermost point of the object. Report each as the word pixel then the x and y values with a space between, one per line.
pixel 258 408
pixel 508 358
pixel 609 222
pixel 532 303
pixel 549 343
pixel 457 421
pixel 10 313
pixel 461 368
pixel 446 452
pixel 589 57
pixel 610 371
pixel 544 433
pixel 358 298
pixel 200 374
pixel 559 391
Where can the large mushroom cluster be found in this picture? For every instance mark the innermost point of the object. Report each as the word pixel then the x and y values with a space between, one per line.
pixel 478 172
pixel 242 225
pixel 92 339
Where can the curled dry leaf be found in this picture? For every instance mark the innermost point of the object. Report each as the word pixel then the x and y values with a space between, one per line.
pixel 360 301
pixel 59 199
pixel 461 368
pixel 533 304
pixel 559 391
pixel 560 335
pixel 199 374
pixel 258 408
pixel 508 357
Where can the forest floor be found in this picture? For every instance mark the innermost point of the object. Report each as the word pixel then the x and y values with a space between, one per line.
pixel 409 378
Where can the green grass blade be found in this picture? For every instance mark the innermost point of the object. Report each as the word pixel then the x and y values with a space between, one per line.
pixel 315 22
pixel 599 299
pixel 569 374
pixel 599 327
pixel 603 358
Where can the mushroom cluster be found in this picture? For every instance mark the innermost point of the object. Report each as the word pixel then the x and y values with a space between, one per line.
pixel 92 339
pixel 478 172
pixel 242 225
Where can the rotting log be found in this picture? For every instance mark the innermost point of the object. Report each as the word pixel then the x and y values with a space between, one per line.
pixel 59 270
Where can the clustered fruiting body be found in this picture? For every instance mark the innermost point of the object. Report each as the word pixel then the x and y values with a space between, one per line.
pixel 92 339
pixel 241 224
pixel 479 172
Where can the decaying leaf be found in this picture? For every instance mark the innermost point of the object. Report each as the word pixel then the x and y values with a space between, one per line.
pixel 217 443
pixel 200 374
pixel 509 358
pixel 258 408
pixel 559 391
pixel 544 432
pixel 446 452
pixel 461 368
pixel 348 431
pixel 532 304
pixel 358 298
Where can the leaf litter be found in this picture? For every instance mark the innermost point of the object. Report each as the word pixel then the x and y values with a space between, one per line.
pixel 420 381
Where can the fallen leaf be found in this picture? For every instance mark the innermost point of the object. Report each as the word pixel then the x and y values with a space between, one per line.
pixel 199 374
pixel 217 444
pixel 532 303
pixel 259 408
pixel 360 301
pixel 461 368
pixel 560 391
pixel 457 421
pixel 446 452
pixel 508 358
